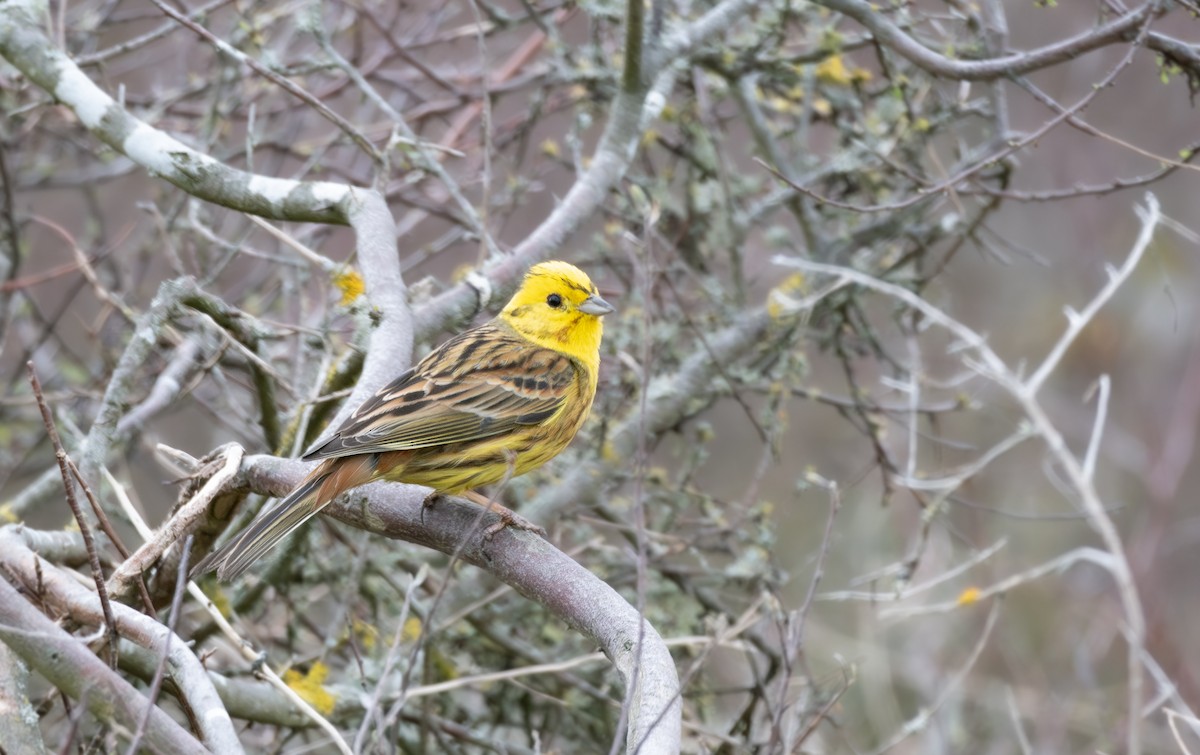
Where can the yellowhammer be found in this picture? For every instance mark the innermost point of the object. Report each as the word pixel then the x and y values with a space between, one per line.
pixel 498 400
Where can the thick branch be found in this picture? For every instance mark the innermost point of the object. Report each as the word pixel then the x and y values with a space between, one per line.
pixel 532 566
pixel 18 720
pixel 58 589
pixel 65 594
pixel 68 664
pixel 389 351
pixel 24 44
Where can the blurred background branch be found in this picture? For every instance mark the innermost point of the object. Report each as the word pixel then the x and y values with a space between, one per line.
pixel 971 162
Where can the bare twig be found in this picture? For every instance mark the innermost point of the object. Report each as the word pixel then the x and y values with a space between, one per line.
pixel 926 714
pixel 948 185
pixel 429 161
pixel 369 714
pixel 1000 67
pixel 247 649
pixel 906 591
pixel 179 525
pixel 1173 719
pixel 156 683
pixel 286 84
pixel 1025 392
pixel 106 525
pixel 84 528
pixel 1055 565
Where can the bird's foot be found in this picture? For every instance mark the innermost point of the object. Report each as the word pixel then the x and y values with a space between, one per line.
pixel 509 518
pixel 429 502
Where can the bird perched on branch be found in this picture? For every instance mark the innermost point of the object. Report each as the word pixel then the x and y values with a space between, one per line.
pixel 493 402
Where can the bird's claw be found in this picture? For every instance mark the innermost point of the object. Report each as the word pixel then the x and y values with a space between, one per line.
pixel 429 502
pixel 509 518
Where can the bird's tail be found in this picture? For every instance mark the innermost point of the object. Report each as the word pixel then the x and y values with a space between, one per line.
pixel 325 483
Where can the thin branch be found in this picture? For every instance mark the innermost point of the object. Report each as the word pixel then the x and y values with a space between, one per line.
pixel 1056 565
pixel 1077 321
pixel 1104 388
pixel 908 590
pixel 896 39
pixel 389 660
pixel 110 625
pixel 182 522
pixel 429 161
pixel 922 719
pixel 1025 393
pixel 951 183
pixel 156 683
pixel 106 525
pixel 284 83
pixel 632 81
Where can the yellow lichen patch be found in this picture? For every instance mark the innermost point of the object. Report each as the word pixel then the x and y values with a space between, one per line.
pixel 609 452
pixel 969 596
pixel 309 686
pixel 7 515
pixel 550 148
pixel 444 665
pixel 350 283
pixel 784 105
pixel 832 70
pixel 219 599
pixel 783 299
pixel 367 634
pixel 412 629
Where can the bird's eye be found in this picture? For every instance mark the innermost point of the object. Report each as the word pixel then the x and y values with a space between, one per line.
pixel 554 300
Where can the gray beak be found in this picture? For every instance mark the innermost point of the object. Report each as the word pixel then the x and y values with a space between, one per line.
pixel 594 305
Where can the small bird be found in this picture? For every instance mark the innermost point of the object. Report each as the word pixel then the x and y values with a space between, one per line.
pixel 495 401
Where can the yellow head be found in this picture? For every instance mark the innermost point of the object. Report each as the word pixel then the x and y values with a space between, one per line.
pixel 558 307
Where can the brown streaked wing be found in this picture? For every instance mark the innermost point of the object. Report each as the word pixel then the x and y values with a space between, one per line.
pixel 483 383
